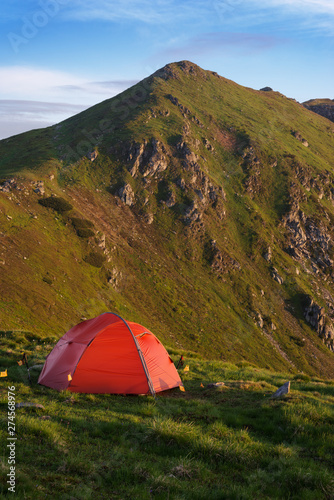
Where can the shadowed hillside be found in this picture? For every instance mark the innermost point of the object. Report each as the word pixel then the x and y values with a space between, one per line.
pixel 324 107
pixel 197 207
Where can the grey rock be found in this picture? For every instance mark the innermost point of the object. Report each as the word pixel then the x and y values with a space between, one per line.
pixel 276 276
pixel 260 320
pixel 8 185
pixel 92 155
pixel 284 389
pixel 315 315
pixel 158 161
pixel 170 202
pixel 299 137
pixel 39 188
pixel 101 240
pixel 136 153
pixel 149 218
pixel 267 256
pixel 127 195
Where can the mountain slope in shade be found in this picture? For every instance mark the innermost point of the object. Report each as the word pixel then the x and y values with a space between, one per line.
pixel 323 107
pixel 200 208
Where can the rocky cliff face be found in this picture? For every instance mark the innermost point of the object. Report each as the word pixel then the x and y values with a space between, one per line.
pixel 190 190
pixel 316 316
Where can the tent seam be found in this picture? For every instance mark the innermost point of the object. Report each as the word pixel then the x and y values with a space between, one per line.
pixel 141 356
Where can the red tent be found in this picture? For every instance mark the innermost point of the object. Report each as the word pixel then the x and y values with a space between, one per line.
pixel 107 354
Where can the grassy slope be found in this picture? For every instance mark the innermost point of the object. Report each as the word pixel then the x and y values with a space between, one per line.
pixel 231 442
pixel 165 282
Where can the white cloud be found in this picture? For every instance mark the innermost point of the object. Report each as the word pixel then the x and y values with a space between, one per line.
pixel 22 82
pixel 36 109
pixel 147 11
pixel 29 83
pixel 299 17
pixel 166 11
pixel 35 97
pixel 319 6
pixel 18 116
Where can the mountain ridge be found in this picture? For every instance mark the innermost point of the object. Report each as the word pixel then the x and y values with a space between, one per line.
pixel 211 211
pixel 323 107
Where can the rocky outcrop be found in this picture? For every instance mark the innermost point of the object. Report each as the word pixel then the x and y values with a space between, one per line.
pixel 300 138
pixel 7 185
pixel 92 155
pixel 221 262
pixel 166 73
pixel 149 218
pixel 192 214
pixel 115 278
pixel 158 160
pixel 101 240
pixel 268 254
pixel 136 155
pixel 315 315
pixel 252 167
pixel 276 276
pixel 308 239
pixel 321 184
pixel 184 110
pixel 200 182
pixel 171 200
pixel 127 195
pixel 39 188
pixel 170 71
pixel 147 159
pixel 294 221
pixel 186 113
pixel 208 145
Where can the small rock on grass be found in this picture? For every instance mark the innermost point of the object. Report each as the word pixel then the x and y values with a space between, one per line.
pixel 284 389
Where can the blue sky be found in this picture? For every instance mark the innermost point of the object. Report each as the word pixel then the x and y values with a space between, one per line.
pixel 61 56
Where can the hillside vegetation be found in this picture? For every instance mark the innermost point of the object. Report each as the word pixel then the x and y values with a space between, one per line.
pixel 195 206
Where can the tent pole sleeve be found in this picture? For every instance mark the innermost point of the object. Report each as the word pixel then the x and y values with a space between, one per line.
pixel 141 356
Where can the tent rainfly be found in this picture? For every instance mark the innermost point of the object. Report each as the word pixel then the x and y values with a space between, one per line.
pixel 107 354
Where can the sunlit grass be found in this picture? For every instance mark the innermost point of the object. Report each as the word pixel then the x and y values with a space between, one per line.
pixel 231 441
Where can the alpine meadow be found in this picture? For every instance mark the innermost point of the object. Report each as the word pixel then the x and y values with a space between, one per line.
pixel 203 210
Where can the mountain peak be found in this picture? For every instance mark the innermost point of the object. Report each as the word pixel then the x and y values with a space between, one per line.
pixel 175 69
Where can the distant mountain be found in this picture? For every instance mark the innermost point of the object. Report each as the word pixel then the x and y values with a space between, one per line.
pixel 190 204
pixel 324 107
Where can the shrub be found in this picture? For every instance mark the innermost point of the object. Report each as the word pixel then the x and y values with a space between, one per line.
pixel 95 259
pixel 85 232
pixel 56 203
pixel 81 223
pixel 47 280
pixel 83 227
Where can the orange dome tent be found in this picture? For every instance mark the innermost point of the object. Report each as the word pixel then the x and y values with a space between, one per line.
pixel 107 354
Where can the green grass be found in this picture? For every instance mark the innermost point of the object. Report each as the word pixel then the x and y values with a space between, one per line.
pixel 232 442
